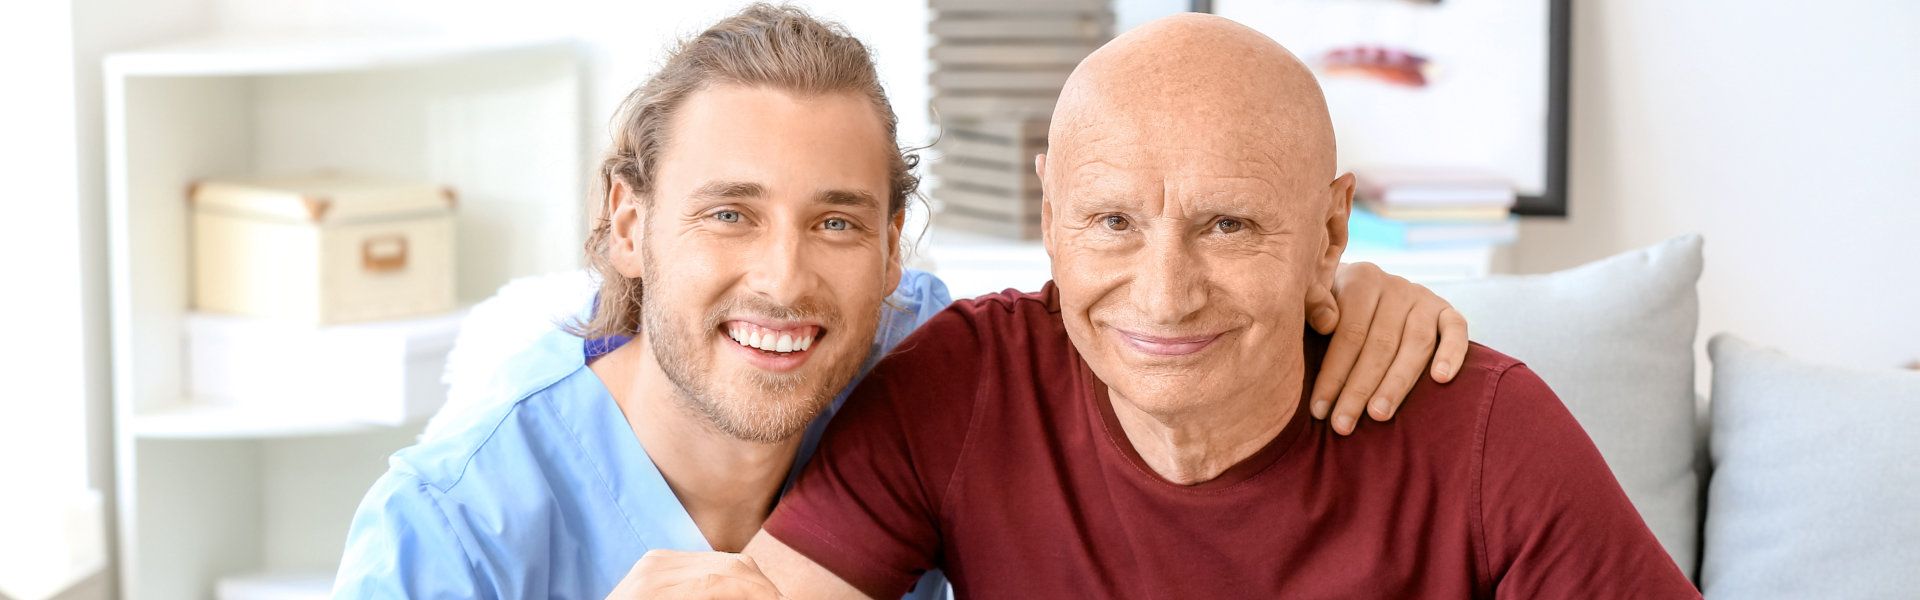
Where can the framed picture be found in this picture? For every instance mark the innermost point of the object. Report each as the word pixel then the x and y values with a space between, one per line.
pixel 1477 85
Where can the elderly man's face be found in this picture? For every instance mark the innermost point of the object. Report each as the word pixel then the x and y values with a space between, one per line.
pixel 1183 253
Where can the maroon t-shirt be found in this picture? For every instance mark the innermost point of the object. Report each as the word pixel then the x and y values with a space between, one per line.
pixel 986 447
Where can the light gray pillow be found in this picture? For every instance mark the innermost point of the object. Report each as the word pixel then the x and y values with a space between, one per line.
pixel 1815 490
pixel 1614 339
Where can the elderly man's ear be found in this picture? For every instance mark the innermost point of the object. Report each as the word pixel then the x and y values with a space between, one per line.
pixel 1320 291
pixel 1046 204
pixel 623 210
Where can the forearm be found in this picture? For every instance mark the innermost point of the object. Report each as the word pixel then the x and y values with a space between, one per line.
pixel 797 576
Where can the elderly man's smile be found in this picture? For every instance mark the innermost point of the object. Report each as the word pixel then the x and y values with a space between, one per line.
pixel 1166 345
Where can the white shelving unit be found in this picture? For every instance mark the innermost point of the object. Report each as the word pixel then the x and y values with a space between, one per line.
pixel 210 493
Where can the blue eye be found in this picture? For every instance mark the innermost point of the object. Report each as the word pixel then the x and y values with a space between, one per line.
pixel 1229 225
pixel 837 224
pixel 1114 222
pixel 727 216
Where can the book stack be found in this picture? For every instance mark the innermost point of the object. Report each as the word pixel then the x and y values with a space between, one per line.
pixel 1435 224
pixel 998 69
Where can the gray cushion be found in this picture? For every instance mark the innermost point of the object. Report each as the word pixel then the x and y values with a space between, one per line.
pixel 1614 339
pixel 1814 492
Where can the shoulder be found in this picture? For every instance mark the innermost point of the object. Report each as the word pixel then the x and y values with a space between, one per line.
pixel 1505 392
pixel 492 430
pixel 969 333
pixel 1482 381
pixel 1487 377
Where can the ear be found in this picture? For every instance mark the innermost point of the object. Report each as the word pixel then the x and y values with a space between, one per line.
pixel 1339 207
pixel 895 255
pixel 627 224
pixel 1046 204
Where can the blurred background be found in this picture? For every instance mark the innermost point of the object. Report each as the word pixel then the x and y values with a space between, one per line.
pixel 147 450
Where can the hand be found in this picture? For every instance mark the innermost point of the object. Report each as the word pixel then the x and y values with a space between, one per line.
pixel 667 574
pixel 1384 330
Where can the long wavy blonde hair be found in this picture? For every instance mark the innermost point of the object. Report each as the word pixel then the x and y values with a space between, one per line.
pixel 762 45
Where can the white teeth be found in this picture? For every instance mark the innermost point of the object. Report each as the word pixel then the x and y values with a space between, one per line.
pixel 769 341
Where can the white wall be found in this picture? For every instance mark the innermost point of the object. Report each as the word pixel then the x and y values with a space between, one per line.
pixel 626 39
pixel 54 237
pixel 43 442
pixel 1788 133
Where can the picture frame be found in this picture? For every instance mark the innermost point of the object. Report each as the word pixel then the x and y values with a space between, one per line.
pixel 1437 83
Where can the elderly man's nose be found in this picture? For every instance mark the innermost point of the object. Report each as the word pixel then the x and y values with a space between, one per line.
pixel 1170 285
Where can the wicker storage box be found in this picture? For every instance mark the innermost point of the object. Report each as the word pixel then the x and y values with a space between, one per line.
pixel 323 249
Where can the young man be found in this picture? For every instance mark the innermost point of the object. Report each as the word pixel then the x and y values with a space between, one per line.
pixel 754 201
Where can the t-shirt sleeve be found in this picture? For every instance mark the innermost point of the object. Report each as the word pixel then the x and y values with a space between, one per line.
pixel 1555 522
pixel 401 545
pixel 867 506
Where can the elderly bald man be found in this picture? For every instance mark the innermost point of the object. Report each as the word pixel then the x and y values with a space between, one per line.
pixel 1122 434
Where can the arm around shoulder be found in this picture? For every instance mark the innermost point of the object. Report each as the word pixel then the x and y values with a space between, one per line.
pixel 1554 523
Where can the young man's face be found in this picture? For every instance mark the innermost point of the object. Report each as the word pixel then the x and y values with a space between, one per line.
pixel 766 253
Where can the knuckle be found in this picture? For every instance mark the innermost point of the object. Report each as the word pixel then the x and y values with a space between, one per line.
pixel 1383 345
pixel 1396 385
pixel 1357 392
pixel 1355 328
pixel 1419 342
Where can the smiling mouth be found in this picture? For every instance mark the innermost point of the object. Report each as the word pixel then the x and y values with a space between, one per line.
pixel 1167 346
pixel 770 340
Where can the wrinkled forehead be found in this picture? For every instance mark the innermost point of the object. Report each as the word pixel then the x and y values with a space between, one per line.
pixel 1204 152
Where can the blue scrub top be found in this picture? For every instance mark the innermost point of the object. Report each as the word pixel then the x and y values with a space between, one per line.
pixel 547 493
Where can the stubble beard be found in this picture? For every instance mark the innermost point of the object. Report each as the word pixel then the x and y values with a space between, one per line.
pixel 762 407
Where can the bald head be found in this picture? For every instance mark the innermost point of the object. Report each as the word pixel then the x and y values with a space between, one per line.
pixel 1193 216
pixel 1199 75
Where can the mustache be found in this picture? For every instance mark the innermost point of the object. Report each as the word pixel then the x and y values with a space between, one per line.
pixel 808 308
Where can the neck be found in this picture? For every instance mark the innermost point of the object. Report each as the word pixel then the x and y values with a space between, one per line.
pixel 1196 444
pixel 727 485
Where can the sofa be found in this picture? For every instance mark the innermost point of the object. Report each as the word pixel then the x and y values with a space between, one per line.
pixel 1789 480
pixel 1794 481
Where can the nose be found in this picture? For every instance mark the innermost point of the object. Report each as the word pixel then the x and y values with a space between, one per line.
pixel 778 268
pixel 1170 282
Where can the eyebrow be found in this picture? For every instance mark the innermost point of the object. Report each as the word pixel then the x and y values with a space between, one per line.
pixel 729 190
pixel 850 198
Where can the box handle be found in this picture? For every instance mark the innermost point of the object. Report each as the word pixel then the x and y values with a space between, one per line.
pixel 382 254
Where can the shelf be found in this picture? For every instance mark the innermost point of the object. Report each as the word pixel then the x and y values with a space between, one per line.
pixel 275 586
pixel 312 52
pixel 215 422
pixel 1428 265
pixel 251 454
pixel 314 381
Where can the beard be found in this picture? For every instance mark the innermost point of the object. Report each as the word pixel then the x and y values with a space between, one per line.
pixel 758 406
